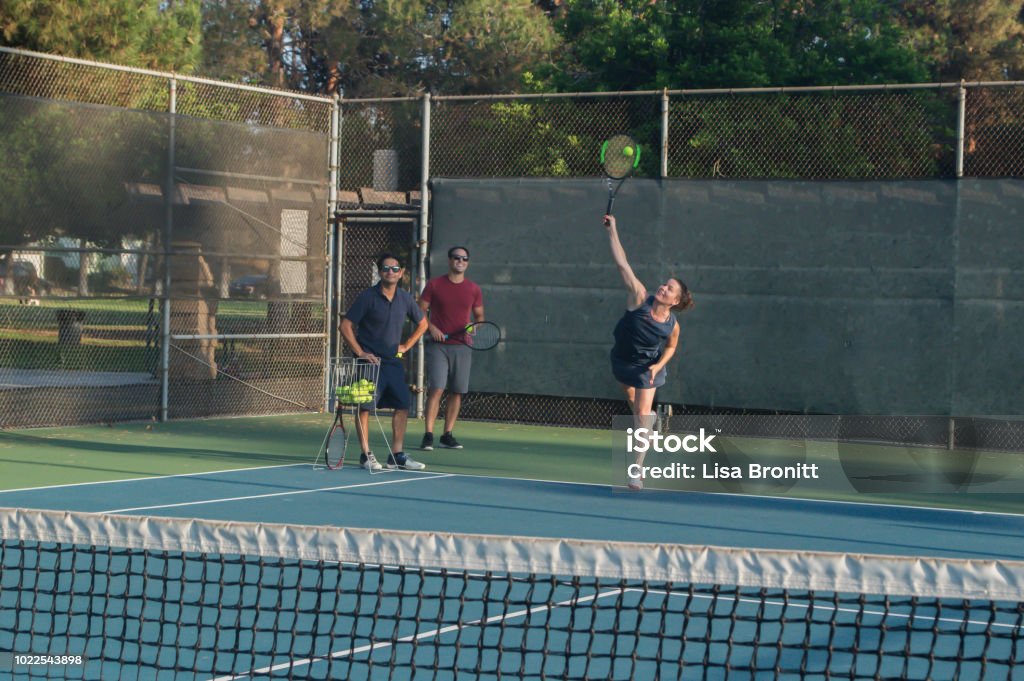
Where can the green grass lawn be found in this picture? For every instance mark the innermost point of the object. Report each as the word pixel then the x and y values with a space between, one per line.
pixel 137 308
pixel 117 334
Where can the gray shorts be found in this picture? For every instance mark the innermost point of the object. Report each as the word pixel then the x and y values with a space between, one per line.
pixel 448 367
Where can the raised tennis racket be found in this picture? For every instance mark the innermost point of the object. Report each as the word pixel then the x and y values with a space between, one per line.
pixel 479 336
pixel 620 156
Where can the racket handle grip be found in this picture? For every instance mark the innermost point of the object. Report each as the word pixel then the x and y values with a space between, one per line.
pixel 611 202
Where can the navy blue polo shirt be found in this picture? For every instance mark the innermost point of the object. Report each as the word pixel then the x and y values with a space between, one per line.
pixel 379 321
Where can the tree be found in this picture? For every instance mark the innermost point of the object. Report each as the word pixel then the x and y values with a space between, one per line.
pixel 967 39
pixel 272 42
pixel 232 49
pixel 637 44
pixel 65 167
pixel 66 170
pixel 468 46
pixel 158 35
pixel 377 47
pixel 977 40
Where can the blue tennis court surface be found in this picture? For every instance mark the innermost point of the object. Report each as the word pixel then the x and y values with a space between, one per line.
pixel 351 497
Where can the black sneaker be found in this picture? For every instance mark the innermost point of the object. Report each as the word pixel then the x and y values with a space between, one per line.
pixel 428 442
pixel 448 441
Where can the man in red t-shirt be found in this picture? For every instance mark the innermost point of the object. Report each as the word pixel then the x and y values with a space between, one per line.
pixel 450 300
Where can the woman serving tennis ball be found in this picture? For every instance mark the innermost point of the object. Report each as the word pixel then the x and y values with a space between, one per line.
pixel 646 336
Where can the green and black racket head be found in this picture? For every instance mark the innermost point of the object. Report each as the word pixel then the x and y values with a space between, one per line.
pixel 620 156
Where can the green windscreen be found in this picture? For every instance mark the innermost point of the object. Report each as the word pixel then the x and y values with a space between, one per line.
pixel 820 297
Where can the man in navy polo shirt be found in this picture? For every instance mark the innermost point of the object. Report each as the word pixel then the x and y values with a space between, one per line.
pixel 372 327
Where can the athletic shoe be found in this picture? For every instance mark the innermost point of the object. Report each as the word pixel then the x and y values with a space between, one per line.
pixel 428 442
pixel 402 460
pixel 448 441
pixel 369 462
pixel 635 482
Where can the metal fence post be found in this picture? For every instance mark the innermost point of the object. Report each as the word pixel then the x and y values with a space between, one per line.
pixel 960 129
pixel 664 133
pixel 960 116
pixel 422 242
pixel 332 263
pixel 165 324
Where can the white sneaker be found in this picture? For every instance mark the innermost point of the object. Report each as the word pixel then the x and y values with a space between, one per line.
pixel 409 464
pixel 370 463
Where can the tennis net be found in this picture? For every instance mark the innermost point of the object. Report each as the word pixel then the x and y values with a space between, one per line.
pixel 156 598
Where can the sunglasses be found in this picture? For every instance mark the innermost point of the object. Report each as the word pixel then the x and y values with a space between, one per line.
pixel 464 258
pixel 391 268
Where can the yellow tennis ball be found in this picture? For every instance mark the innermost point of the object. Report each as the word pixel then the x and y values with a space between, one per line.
pixel 627 151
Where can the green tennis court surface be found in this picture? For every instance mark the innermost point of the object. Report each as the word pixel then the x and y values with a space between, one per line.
pixel 861 472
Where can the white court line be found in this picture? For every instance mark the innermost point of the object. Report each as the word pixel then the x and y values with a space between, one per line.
pixel 416 637
pixel 827 502
pixel 831 502
pixel 280 494
pixel 152 477
pixel 379 645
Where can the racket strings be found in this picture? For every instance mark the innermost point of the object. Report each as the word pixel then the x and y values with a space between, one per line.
pixel 619 157
pixel 483 335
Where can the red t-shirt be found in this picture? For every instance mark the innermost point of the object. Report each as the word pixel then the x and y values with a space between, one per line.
pixel 451 305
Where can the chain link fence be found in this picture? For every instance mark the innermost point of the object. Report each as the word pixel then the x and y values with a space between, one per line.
pixel 814 135
pixel 993 142
pixel 381 143
pixel 872 133
pixel 162 245
pixel 162 239
pixel 536 136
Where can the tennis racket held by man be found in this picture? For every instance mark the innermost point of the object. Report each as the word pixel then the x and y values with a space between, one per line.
pixel 479 336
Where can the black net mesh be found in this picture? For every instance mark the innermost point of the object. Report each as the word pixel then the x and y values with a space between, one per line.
pixel 190 612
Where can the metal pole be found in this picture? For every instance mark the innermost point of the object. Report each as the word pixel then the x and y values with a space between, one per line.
pixel 331 264
pixel 961 116
pixel 423 250
pixel 165 323
pixel 960 120
pixel 664 133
